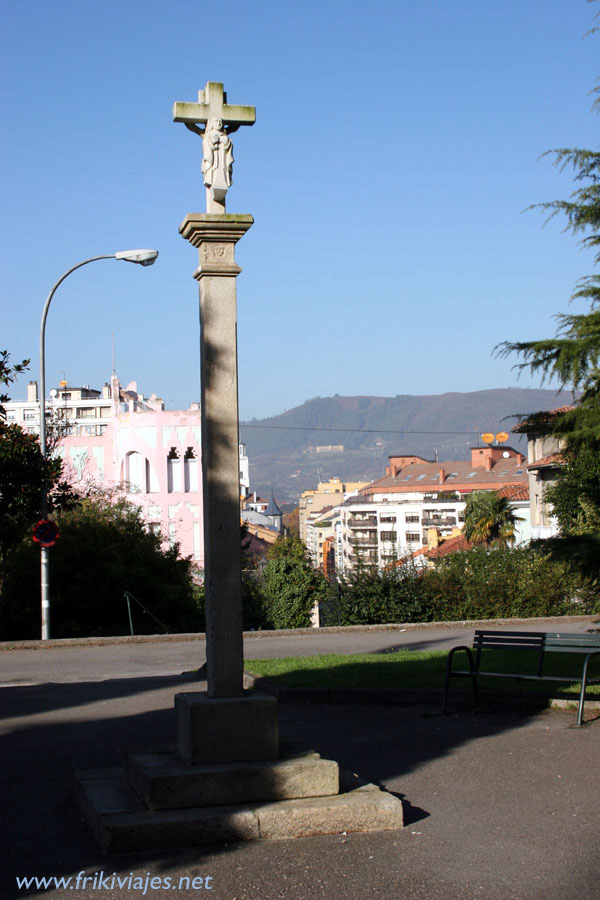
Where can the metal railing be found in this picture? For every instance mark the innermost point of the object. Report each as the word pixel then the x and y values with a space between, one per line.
pixel 435 520
pixel 363 523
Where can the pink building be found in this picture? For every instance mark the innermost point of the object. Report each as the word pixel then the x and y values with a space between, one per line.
pixel 122 438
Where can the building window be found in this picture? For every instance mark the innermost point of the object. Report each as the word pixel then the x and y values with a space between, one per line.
pixel 29 415
pixel 190 471
pixel 135 471
pixel 412 538
pixel 388 535
pixel 412 518
pixel 174 479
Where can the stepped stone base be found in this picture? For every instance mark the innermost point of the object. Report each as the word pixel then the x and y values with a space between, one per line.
pixel 162 781
pixel 227 779
pixel 123 824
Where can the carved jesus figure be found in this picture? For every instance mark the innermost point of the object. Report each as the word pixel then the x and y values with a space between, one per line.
pixel 217 154
pixel 217 149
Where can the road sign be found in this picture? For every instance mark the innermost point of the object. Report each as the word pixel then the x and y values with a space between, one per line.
pixel 45 533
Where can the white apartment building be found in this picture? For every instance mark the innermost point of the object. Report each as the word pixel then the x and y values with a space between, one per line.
pixel 322 529
pixel 391 518
pixel 328 493
pixel 377 532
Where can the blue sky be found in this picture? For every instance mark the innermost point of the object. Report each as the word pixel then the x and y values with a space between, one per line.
pixel 395 149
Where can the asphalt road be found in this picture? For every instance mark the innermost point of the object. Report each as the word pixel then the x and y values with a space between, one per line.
pixel 85 662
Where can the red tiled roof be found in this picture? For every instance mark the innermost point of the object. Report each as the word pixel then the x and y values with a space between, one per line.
pixel 555 459
pixel 450 545
pixel 514 492
pixel 459 475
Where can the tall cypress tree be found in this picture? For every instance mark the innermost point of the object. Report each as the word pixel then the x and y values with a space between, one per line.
pixel 572 356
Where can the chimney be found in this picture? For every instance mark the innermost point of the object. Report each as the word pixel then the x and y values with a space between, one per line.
pixel 394 467
pixel 520 459
pixel 32 391
pixel 442 475
pixel 489 463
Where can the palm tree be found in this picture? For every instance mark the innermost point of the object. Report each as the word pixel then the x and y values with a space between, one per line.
pixel 489 519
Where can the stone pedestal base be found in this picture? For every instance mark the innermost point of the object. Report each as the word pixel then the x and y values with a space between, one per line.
pixel 226 729
pixel 122 823
pixel 227 780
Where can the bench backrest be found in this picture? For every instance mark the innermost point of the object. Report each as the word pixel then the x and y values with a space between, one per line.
pixel 538 641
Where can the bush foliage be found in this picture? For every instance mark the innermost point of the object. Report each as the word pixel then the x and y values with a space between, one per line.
pixel 103 551
pixel 289 586
pixel 480 583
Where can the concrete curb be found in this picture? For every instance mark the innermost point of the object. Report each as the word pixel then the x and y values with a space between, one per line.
pixel 408 696
pixel 283 632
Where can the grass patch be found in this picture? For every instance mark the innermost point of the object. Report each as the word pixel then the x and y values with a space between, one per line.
pixel 417 669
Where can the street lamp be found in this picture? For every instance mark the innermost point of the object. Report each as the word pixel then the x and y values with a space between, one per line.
pixel 142 258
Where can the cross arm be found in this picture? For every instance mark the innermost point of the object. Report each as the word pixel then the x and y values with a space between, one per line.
pixel 200 113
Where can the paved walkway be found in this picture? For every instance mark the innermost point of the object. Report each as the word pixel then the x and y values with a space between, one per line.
pixel 500 805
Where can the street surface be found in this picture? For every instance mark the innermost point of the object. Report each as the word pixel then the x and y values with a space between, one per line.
pixel 80 662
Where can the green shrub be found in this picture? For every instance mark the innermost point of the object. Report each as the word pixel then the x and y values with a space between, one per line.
pixel 482 583
pixel 289 586
pixel 366 597
pixel 494 583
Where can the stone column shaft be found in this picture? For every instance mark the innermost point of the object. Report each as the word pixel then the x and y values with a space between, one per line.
pixel 216 236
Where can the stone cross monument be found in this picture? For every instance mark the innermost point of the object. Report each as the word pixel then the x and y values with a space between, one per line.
pixel 220 119
pixel 226 780
pixel 248 724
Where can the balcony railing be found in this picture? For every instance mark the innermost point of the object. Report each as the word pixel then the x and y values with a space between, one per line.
pixel 439 522
pixel 363 523
pixel 363 541
pixel 367 557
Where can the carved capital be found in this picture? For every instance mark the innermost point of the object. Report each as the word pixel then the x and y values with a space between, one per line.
pixel 198 228
pixel 215 236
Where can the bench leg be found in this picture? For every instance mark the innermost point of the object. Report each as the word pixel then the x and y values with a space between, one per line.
pixel 582 693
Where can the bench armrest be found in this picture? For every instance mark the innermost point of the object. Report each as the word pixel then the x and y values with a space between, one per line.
pixel 472 672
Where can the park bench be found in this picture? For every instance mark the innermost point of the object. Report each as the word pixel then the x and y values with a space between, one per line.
pixel 530 642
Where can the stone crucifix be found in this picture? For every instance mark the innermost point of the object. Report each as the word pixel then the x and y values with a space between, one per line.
pixel 215 235
pixel 220 119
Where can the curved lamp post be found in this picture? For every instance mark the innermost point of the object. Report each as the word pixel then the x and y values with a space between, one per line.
pixel 142 258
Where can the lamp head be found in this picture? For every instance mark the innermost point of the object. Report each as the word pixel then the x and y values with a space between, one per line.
pixel 141 257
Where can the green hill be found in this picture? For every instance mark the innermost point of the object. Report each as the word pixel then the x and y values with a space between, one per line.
pixel 287 452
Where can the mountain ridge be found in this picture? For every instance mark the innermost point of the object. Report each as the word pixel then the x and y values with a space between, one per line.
pixel 286 450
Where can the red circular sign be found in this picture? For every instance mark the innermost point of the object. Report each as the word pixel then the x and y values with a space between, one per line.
pixel 45 533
